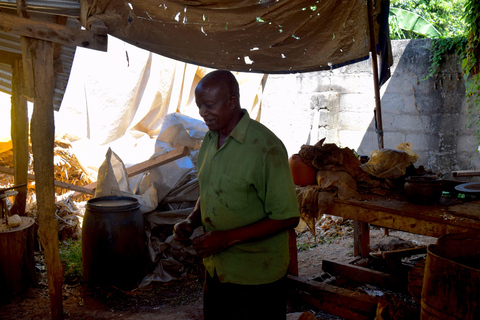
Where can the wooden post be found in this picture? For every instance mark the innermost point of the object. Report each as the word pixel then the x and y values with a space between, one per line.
pixel 19 133
pixel 42 135
pixel 361 235
pixel 373 50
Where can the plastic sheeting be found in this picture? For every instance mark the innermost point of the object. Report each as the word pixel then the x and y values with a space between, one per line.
pixel 119 99
pixel 269 36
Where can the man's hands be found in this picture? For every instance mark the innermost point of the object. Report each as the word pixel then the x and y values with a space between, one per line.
pixel 205 245
pixel 182 232
pixel 210 243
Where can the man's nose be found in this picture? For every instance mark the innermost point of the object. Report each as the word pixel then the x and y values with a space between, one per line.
pixel 202 111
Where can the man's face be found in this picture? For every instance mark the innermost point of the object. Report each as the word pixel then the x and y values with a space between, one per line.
pixel 215 106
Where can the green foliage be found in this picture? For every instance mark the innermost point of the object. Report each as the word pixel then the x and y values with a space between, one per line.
pixel 305 246
pixel 471 63
pixel 441 48
pixel 71 257
pixel 410 21
pixel 445 16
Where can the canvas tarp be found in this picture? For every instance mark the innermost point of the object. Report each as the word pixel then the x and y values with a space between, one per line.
pixel 266 36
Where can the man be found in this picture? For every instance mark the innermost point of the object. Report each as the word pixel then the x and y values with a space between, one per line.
pixel 247 202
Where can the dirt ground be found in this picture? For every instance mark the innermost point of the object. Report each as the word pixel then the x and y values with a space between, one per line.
pixel 182 299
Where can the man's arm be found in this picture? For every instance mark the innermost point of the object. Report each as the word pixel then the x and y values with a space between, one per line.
pixel 215 241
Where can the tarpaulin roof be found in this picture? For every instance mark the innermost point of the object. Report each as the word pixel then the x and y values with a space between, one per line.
pixel 267 36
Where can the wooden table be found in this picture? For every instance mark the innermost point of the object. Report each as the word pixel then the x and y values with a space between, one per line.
pixel 395 212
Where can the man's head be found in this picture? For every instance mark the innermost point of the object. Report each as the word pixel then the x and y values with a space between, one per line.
pixel 217 98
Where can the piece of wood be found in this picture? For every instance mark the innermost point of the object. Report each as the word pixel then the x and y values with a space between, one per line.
pixel 157 161
pixel 19 133
pixel 301 316
pixel 43 136
pixel 361 235
pixel 17 258
pixel 333 300
pixel 361 274
pixel 57 183
pixel 402 253
pixel 465 173
pixel 147 165
pixel 293 252
pixel 398 214
pixel 52 32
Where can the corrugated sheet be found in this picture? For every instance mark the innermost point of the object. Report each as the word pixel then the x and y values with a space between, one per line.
pixel 10 43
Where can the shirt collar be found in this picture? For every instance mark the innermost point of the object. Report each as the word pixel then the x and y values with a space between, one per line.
pixel 240 130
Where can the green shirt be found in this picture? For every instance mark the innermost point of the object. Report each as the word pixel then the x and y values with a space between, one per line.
pixel 246 180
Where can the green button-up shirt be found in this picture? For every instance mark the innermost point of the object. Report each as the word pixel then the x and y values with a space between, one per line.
pixel 246 180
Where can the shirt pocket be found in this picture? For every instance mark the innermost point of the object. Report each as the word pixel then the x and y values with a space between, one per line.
pixel 235 193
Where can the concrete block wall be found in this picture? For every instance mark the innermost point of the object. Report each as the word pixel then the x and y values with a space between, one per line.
pixel 339 105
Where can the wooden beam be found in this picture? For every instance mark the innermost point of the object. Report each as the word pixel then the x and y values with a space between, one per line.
pixel 148 164
pixel 362 275
pixel 53 32
pixel 334 300
pixel 402 253
pixel 465 173
pixel 157 161
pixel 57 183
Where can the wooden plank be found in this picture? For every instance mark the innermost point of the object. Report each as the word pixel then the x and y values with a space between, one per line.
pixel 334 300
pixel 52 32
pixel 433 221
pixel 157 161
pixel 148 164
pixel 361 274
pixel 57 183
pixel 403 252
pixel 465 173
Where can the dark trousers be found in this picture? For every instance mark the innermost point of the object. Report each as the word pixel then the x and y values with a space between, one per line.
pixel 229 301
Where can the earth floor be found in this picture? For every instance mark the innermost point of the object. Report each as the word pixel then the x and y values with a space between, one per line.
pixel 182 299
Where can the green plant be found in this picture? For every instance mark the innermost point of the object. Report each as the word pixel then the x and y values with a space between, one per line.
pixel 71 257
pixel 471 61
pixel 305 246
pixel 407 20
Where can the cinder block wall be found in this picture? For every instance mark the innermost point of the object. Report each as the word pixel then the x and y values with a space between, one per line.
pixel 339 105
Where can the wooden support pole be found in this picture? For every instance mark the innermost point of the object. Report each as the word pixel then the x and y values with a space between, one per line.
pixel 19 133
pixel 42 135
pixel 373 50
pixel 361 235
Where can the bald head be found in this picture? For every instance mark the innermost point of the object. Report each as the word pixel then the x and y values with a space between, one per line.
pixel 217 98
pixel 224 79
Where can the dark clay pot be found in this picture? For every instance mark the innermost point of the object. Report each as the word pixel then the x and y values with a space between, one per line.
pixel 425 190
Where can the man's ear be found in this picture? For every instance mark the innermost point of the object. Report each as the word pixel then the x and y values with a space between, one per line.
pixel 233 101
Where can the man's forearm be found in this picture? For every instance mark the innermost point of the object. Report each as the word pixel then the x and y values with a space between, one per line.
pixel 196 216
pixel 260 230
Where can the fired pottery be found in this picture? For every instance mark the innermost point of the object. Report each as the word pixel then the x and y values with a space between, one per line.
pixel 425 190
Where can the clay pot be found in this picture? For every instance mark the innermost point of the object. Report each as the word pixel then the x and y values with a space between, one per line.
pixel 302 173
pixel 424 190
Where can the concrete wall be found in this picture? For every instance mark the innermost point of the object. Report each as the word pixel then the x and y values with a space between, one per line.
pixel 338 104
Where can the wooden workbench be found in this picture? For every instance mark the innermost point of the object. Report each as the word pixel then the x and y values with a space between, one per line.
pixel 395 212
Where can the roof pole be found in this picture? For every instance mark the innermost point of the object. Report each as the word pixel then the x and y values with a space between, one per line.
pixel 373 50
